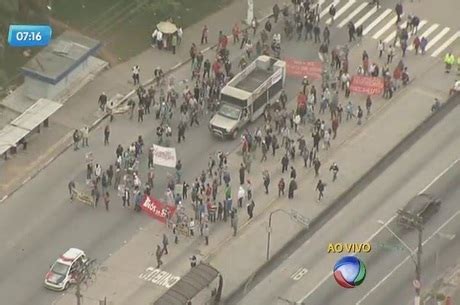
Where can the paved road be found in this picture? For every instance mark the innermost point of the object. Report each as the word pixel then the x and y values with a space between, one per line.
pixel 38 223
pixel 410 174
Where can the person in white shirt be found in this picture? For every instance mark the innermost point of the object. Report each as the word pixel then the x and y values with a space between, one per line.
pixel 160 40
pixel 154 37
pixel 180 33
pixel 455 88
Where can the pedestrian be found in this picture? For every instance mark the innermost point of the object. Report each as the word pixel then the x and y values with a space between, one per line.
pixel 316 33
pixel 204 34
pixel 165 243
pixel 159 254
pixel 193 261
pixel 126 196
pixel 241 195
pixel 76 139
pixel 281 187
pixel 106 134
pixel 242 172
pixel 206 234
pixel 135 73
pixel 249 189
pixel 102 101
pixel 71 187
pixel 399 12
pixel 140 113
pixel 293 174
pixel 390 54
pixel 423 44
pixel 96 195
pixel 276 12
pixel 85 136
pixel 292 188
pixel 335 127
pixel 381 48
pixel 284 163
pixel 368 105
pixel 416 44
pixel 335 169
pixel 191 227
pixel 359 115
pixel 320 188
pixel 250 209
pixel 266 178
pixel 332 12
pixel 234 222
pixel 316 165
pixel 107 201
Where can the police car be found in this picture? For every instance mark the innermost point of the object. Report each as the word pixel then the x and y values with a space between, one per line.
pixel 62 273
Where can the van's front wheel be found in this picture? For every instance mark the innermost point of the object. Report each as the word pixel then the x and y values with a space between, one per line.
pixel 235 134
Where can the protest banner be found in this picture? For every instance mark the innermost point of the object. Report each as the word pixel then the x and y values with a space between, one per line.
pixel 164 156
pixel 299 68
pixel 366 84
pixel 155 209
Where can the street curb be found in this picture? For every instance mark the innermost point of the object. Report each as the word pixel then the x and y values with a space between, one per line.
pixel 342 200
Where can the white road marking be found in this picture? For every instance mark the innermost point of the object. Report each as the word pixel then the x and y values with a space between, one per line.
pixel 438 37
pixel 376 21
pixel 342 10
pixel 430 30
pixel 320 283
pixel 299 274
pixel 326 10
pixel 353 14
pixel 407 258
pixel 438 177
pixel 446 44
pixel 365 17
pixel 330 274
pixel 390 37
pixel 385 28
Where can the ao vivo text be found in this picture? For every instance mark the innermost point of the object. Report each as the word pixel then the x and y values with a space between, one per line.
pixel 349 247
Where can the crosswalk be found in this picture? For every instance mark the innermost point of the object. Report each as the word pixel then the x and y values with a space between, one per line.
pixel 381 24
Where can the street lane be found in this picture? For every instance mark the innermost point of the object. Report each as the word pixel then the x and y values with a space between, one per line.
pixel 410 174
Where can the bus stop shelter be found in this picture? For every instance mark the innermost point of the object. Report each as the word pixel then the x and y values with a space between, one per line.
pixel 197 279
pixel 23 125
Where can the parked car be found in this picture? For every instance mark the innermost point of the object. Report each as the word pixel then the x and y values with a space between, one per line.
pixel 423 206
pixel 62 272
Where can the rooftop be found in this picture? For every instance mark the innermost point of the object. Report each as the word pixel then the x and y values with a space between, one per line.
pixel 254 79
pixel 60 57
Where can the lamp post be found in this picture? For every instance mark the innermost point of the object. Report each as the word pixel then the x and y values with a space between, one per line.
pixel 293 214
pixel 250 12
pixel 414 222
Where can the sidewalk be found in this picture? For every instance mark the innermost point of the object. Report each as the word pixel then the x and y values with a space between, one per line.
pixel 124 279
pixel 82 108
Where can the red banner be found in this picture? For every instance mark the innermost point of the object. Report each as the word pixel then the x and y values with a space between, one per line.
pixel 367 85
pixel 299 68
pixel 155 209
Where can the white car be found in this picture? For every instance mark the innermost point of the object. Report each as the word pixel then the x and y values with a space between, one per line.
pixel 62 272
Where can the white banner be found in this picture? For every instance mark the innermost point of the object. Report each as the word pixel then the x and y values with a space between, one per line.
pixel 164 156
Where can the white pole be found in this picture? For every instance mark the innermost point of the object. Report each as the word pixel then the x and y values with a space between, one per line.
pixel 250 14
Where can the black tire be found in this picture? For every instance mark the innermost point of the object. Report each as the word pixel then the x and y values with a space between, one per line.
pixel 235 134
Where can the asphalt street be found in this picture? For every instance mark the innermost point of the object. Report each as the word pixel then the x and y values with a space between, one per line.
pixel 38 223
pixel 419 169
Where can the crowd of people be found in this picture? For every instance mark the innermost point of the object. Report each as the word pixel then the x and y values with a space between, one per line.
pixel 295 137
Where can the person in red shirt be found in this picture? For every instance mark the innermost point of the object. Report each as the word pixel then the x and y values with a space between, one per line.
pixel 416 44
pixel 301 100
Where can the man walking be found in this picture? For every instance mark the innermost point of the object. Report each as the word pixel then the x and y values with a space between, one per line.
pixel 106 134
pixel 292 188
pixel 71 187
pixel 284 163
pixel 368 105
pixel 102 101
pixel 135 75
pixel 335 169
pixel 242 171
pixel 320 188
pixel 266 177
pixel 281 187
pixel 85 136
pixel 106 201
pixel 234 222
pixel 316 165
pixel 165 243
pixel 250 209
pixel 159 254
pixel 206 234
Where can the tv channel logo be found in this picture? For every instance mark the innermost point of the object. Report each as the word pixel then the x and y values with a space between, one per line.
pixel 349 272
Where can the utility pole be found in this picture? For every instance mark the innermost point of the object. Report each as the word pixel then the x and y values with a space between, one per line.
pixel 416 222
pixel 293 214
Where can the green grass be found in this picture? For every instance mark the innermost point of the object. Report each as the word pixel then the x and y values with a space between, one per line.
pixel 125 26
